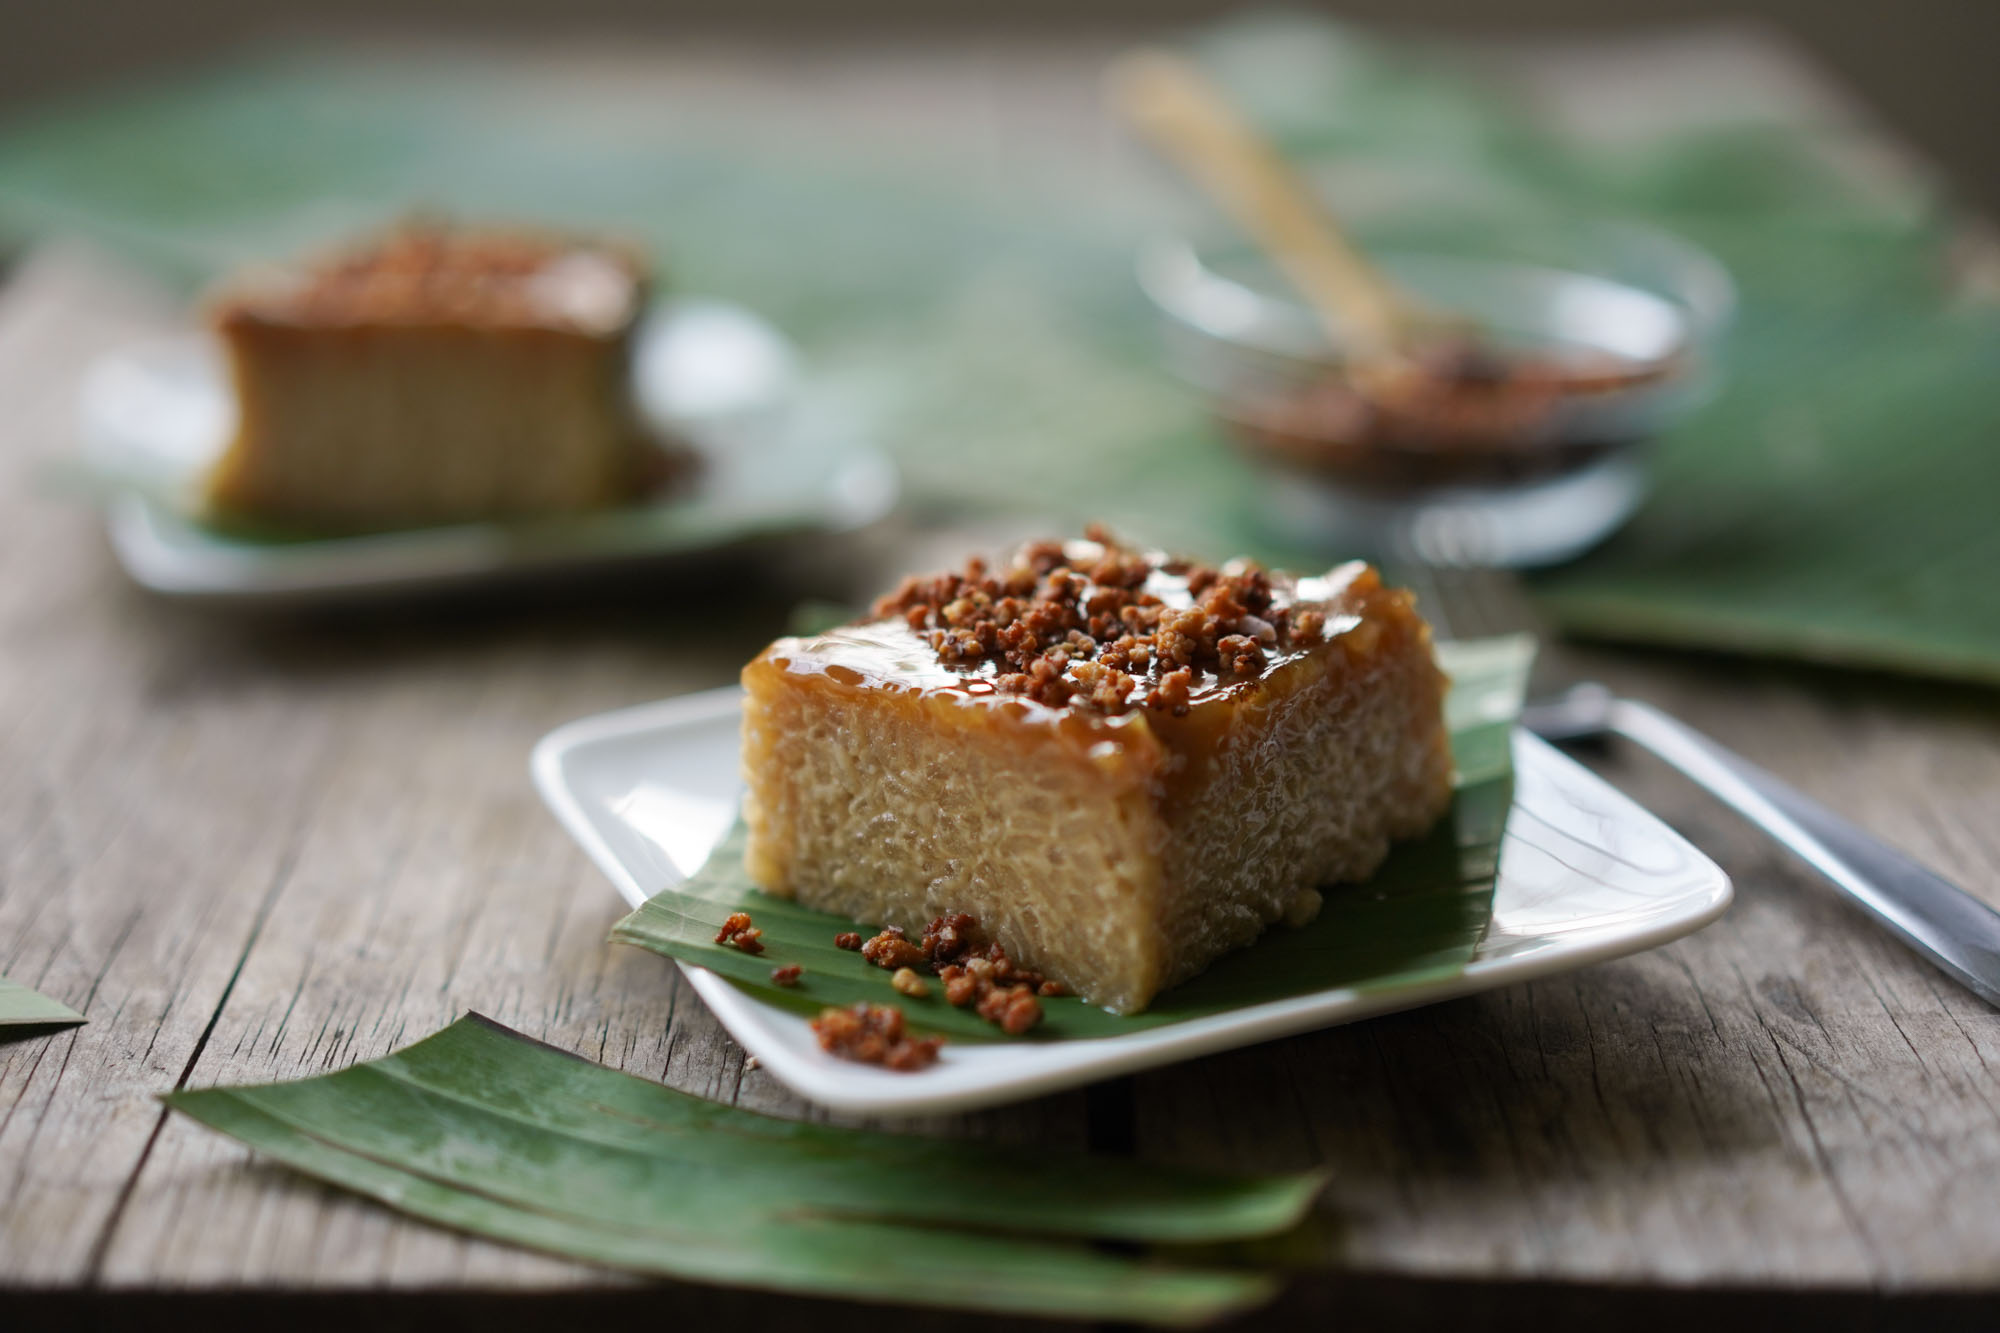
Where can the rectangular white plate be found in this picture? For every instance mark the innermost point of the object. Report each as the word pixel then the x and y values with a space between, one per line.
pixel 1585 875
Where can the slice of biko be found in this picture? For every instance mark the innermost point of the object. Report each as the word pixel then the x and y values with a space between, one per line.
pixel 1124 765
pixel 433 375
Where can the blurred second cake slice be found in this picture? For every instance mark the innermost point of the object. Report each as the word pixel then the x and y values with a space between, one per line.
pixel 435 374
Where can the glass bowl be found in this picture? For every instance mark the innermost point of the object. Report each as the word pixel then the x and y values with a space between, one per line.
pixel 1611 328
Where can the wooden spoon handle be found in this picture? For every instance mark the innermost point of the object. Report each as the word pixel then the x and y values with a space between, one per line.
pixel 1187 117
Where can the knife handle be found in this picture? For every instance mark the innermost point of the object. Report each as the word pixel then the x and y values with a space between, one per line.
pixel 1941 921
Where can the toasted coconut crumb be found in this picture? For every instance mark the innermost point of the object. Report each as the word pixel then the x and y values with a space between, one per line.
pixel 1023 1012
pixel 1013 1009
pixel 787 975
pixel 974 971
pixel 873 1034
pixel 1093 638
pixel 890 950
pixel 951 937
pixel 960 986
pixel 985 979
pixel 737 932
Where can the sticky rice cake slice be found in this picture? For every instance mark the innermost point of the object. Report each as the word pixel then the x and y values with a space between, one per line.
pixel 1116 850
pixel 432 376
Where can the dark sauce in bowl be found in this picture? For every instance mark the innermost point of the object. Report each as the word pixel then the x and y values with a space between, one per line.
pixel 1459 412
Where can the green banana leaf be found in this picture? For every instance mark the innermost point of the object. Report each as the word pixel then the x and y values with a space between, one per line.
pixel 484 1130
pixel 1831 503
pixel 1848 522
pixel 1420 916
pixel 21 1007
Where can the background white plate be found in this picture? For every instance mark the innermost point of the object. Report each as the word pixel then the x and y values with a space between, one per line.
pixel 779 456
pixel 1585 875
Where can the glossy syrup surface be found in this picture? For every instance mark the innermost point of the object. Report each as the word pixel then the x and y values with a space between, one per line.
pixel 891 653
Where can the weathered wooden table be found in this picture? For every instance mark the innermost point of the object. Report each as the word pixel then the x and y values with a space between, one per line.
pixel 257 847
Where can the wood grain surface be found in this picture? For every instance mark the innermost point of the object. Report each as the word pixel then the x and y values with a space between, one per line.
pixel 262 846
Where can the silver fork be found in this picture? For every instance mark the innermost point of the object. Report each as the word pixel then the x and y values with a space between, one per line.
pixel 1935 917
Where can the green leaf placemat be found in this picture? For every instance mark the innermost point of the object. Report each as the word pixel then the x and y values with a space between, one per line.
pixel 1829 504
pixel 1422 914
pixel 484 1130
pixel 21 1007
pixel 1837 504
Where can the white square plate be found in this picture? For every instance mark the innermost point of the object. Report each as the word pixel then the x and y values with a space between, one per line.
pixel 1585 875
pixel 780 454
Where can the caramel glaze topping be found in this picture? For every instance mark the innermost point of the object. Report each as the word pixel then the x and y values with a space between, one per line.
pixel 1094 627
pixel 425 272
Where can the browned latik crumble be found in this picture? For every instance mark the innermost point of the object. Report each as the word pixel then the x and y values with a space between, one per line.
pixel 1013 1008
pixel 739 933
pixel 1095 639
pixel 995 990
pixel 951 937
pixel 849 940
pixel 872 1034
pixel 891 950
pixel 974 971
pixel 979 974
pixel 787 975
pixel 427 271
